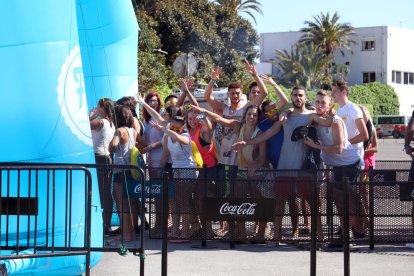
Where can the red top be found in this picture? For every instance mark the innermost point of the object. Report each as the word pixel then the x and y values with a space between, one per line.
pixel 209 158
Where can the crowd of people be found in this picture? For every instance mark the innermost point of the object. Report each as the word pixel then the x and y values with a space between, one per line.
pixel 237 142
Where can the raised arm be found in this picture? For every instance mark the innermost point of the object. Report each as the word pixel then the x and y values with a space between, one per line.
pixel 208 93
pixel 154 114
pixel 184 85
pixel 262 87
pixel 283 100
pixel 231 123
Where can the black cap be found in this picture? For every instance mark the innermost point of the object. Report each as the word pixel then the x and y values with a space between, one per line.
pixel 304 131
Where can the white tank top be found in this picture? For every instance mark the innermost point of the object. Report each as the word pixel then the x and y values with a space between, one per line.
pixel 101 138
pixel 347 157
pixel 123 151
pixel 181 155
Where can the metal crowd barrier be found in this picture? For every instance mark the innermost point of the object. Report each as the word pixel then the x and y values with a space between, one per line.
pixel 273 205
pixel 20 205
pixel 20 210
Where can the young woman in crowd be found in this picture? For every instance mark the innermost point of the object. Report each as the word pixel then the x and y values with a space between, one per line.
pixel 250 158
pixel 177 143
pixel 102 123
pixel 121 144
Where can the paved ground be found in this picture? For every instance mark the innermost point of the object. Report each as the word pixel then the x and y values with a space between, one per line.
pixel 183 259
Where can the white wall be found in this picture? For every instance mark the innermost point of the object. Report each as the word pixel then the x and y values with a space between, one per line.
pixel 394 50
pixel 401 58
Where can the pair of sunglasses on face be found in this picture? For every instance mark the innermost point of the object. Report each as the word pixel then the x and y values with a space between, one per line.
pixel 272 112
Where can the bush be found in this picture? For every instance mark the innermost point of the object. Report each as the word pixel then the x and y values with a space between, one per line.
pixel 382 97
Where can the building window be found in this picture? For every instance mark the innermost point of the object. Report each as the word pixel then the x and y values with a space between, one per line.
pixel 368 45
pixel 408 78
pixel 397 77
pixel 368 77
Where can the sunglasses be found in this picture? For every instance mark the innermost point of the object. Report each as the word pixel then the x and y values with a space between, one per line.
pixel 170 103
pixel 176 129
pixel 187 107
pixel 271 112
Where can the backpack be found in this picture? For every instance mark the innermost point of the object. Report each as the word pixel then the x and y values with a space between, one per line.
pixel 136 160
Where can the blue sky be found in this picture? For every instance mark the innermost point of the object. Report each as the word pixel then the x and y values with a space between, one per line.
pixel 282 16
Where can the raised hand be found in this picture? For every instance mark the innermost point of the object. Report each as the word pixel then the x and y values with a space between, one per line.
pixel 139 98
pixel 250 68
pixel 184 85
pixel 267 79
pixel 215 73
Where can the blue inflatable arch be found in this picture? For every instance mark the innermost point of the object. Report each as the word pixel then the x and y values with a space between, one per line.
pixel 58 58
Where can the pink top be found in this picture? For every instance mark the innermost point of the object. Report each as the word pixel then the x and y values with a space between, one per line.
pixel 369 159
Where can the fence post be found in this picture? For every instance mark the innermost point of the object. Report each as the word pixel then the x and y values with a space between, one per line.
pixel 164 249
pixel 142 222
pixel 346 225
pixel 314 226
pixel 371 209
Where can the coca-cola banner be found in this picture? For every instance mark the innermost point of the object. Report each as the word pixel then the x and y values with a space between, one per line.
pixel 239 209
pixel 153 189
pixel 383 177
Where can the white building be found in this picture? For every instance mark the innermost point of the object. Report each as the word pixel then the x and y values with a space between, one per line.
pixel 383 54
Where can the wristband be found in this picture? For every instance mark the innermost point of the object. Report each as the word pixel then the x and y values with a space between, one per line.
pixel 214 81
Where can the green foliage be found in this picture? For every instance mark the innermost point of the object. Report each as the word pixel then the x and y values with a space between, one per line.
pixel 216 36
pixel 239 6
pixel 303 65
pixel 382 97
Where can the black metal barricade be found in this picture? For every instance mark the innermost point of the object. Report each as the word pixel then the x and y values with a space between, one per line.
pixel 276 206
pixel 22 208
pixel 132 203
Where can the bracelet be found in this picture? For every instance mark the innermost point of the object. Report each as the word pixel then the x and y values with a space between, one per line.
pixel 214 81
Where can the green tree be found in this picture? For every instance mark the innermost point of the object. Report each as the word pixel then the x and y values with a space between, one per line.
pixel 239 6
pixel 328 35
pixel 382 97
pixel 302 65
pixel 151 68
pixel 216 36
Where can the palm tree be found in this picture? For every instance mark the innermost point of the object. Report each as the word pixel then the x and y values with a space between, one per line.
pixel 239 6
pixel 304 64
pixel 328 35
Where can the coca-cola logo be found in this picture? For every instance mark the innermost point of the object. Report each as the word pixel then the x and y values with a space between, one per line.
pixel 155 189
pixel 245 208
pixel 379 178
